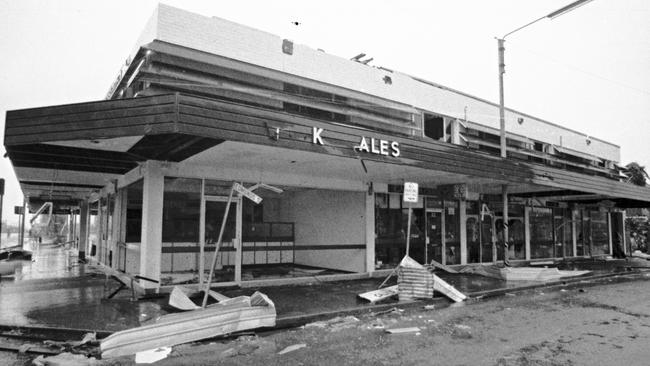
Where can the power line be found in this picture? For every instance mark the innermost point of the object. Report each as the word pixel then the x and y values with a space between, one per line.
pixel 589 73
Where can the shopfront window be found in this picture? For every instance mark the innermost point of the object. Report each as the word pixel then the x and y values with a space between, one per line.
pixel 391 218
pixel 599 233
pixel 541 233
pixel 181 210
pixel 473 231
pixel 133 212
pixel 563 232
pixel 452 232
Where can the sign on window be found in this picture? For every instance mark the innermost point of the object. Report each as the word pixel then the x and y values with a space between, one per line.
pixel 410 192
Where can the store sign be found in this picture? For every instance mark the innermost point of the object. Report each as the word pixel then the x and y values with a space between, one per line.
pixel 410 192
pixel 246 193
pixel 368 145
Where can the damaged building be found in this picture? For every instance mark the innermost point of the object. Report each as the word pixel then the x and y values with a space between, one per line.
pixel 202 102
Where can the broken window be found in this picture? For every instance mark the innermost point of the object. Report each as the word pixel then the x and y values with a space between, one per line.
pixel 134 212
pixel 434 127
pixel 181 210
pixel 315 97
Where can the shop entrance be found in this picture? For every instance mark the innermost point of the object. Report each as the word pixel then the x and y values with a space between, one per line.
pixel 434 243
pixel 228 264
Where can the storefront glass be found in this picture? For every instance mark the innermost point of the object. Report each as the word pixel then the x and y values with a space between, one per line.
pixel 181 210
pixel 541 233
pixel 134 212
pixel 563 232
pixel 599 233
pixel 452 232
pixel 473 231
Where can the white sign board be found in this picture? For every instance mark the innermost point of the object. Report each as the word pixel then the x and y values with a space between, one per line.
pixel 246 193
pixel 410 192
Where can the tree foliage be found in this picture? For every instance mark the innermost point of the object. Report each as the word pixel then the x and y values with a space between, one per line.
pixel 636 174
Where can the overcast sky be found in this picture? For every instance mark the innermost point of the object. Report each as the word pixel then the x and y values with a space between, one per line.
pixel 588 70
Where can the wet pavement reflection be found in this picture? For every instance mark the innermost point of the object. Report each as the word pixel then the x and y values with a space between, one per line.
pixel 55 290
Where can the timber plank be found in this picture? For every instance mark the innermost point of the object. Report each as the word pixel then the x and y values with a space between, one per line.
pixel 92 116
pixel 353 138
pixel 121 128
pixel 101 105
pixel 211 59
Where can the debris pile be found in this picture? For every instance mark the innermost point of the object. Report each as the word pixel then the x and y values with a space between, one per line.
pixel 228 316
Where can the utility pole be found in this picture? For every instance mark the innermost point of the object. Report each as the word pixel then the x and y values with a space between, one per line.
pixel 2 194
pixel 502 66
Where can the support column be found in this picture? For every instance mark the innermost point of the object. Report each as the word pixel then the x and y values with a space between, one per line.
pixel 506 248
pixel 116 226
pixel 151 238
pixel 370 231
pixel 462 207
pixel 609 232
pixel 574 234
pixel 527 230
pixel 83 229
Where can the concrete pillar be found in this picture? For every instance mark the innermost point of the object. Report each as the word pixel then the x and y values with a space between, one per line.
pixel 609 232
pixel 116 226
pixel 574 233
pixel 84 222
pixel 506 249
pixel 151 238
pixel 462 207
pixel 370 231
pixel 455 132
pixel 527 230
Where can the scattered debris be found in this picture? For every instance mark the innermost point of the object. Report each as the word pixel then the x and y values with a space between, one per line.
pixel 403 330
pixel 380 295
pixel 415 281
pixel 389 311
pixel 521 273
pixel 228 316
pixel 335 323
pixel 180 298
pixel 461 331
pixel 69 345
pixel 152 355
pixel 292 348
pixel 640 254
pixel 442 266
pixel 65 359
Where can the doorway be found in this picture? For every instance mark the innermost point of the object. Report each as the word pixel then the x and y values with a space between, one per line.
pixel 434 243
pixel 228 264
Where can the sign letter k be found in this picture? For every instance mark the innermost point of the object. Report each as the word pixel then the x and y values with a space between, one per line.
pixel 316 138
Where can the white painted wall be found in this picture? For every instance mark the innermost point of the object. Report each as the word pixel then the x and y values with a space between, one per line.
pixel 239 42
pixel 327 217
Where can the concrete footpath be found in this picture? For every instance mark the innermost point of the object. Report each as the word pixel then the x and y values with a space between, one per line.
pixel 50 291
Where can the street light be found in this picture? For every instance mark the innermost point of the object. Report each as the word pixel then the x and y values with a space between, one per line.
pixel 502 66
pixel 502 117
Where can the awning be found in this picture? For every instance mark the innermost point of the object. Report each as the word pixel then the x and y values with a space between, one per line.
pixel 579 154
pixel 494 131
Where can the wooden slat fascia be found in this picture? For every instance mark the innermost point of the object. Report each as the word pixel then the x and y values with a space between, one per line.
pixel 126 127
pixel 95 106
pixel 517 171
pixel 233 74
pixel 211 59
pixel 245 127
pixel 540 155
pixel 182 77
pixel 96 118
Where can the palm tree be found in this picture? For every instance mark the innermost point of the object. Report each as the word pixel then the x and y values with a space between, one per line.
pixel 636 174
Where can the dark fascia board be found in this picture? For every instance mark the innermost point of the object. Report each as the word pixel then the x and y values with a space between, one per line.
pixel 92 120
pixel 256 122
